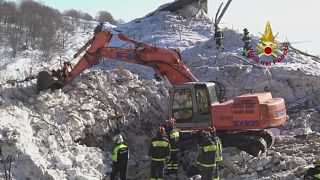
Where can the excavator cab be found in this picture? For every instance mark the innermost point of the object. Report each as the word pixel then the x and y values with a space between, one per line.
pixel 190 104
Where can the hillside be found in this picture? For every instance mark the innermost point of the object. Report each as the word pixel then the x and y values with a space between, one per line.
pixel 67 134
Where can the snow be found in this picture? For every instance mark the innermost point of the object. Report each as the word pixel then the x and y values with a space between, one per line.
pixel 66 134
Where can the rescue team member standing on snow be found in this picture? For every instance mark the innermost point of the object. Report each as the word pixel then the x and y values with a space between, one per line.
pixel 159 153
pixel 219 158
pixel 246 40
pixel 218 36
pixel 207 156
pixel 173 136
pixel 313 173
pixel 120 159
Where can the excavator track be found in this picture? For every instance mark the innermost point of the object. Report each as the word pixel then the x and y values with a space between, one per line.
pixel 268 136
pixel 252 142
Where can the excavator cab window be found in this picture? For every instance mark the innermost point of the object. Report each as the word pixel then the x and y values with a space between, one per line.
pixel 202 100
pixel 182 105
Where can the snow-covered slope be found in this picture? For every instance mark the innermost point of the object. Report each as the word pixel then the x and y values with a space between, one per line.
pixel 67 134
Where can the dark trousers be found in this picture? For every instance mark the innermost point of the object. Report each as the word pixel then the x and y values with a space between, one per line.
pixel 218 43
pixel 207 173
pixel 119 169
pixel 216 172
pixel 245 49
pixel 157 170
pixel 173 166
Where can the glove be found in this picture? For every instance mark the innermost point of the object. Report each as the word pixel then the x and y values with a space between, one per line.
pixel 167 160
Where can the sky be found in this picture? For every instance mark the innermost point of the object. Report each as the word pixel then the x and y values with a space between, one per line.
pixel 295 20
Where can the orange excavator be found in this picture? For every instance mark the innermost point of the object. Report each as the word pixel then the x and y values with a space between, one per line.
pixel 241 122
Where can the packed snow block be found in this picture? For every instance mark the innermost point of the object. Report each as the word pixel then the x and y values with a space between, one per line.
pixel 62 161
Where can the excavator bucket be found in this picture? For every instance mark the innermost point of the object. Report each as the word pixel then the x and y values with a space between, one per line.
pixel 55 79
pixel 47 80
pixel 44 81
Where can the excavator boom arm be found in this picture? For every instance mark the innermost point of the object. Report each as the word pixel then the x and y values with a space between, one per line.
pixel 165 62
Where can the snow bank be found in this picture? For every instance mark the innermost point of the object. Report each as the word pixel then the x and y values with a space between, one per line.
pixel 66 134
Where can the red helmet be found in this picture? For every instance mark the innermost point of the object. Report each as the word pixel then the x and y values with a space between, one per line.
pixel 170 122
pixel 161 130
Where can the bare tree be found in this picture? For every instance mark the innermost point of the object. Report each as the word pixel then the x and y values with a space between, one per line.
pixel 106 16
pixel 14 39
pixel 74 15
pixel 65 32
pixel 86 25
pixel 87 17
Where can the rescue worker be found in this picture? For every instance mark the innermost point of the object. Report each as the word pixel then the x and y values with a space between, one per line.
pixel 313 173
pixel 120 158
pixel 218 36
pixel 173 137
pixel 159 153
pixel 246 40
pixel 207 157
pixel 219 158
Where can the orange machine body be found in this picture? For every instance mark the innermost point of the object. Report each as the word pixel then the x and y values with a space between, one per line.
pixel 249 111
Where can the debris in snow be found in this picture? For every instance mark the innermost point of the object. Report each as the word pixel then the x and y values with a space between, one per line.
pixel 66 134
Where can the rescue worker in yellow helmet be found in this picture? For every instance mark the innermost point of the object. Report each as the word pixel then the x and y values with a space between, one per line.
pixel 313 173
pixel 207 156
pixel 219 159
pixel 119 159
pixel 173 136
pixel 159 153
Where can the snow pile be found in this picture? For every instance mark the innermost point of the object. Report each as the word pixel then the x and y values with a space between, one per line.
pixel 43 150
pixel 67 134
pixel 294 150
pixel 61 134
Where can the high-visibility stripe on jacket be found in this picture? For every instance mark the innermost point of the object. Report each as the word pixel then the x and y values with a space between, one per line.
pixel 172 166
pixel 173 136
pixel 159 148
pixel 160 143
pixel 219 149
pixel 120 150
pixel 211 147
pixel 317 176
pixel 207 156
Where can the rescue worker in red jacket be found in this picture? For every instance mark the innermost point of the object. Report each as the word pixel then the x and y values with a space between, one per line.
pixel 219 159
pixel 159 153
pixel 313 173
pixel 120 158
pixel 173 137
pixel 207 156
